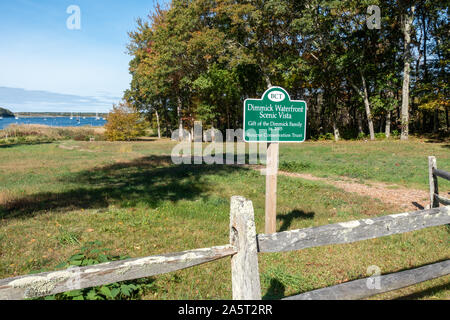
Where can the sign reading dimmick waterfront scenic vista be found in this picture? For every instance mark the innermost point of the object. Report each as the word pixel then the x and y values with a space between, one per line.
pixel 274 118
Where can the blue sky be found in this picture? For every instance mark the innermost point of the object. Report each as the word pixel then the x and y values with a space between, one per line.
pixel 44 66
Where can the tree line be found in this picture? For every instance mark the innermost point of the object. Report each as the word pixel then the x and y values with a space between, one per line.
pixel 200 59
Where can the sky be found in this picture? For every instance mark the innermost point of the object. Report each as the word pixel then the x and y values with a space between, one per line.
pixel 46 66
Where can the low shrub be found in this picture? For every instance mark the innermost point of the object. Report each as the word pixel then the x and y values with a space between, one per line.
pixel 361 136
pixel 124 124
pixel 326 136
pixel 395 133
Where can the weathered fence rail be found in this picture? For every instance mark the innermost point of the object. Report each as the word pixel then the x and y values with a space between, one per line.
pixel 48 283
pixel 434 173
pixel 363 288
pixel 441 173
pixel 353 231
pixel 244 247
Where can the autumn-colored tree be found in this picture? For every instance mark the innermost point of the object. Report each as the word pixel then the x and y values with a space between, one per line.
pixel 200 59
pixel 124 123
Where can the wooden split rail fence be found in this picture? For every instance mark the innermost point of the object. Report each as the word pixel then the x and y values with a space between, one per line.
pixel 243 248
pixel 434 173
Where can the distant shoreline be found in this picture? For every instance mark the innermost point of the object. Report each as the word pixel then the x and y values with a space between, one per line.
pixel 54 121
pixel 58 115
pixel 47 116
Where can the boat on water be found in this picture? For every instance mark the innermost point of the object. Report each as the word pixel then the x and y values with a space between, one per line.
pixel 71 116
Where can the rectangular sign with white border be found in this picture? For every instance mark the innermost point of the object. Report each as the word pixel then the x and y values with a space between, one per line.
pixel 274 118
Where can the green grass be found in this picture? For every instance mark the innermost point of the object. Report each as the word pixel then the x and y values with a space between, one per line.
pixel 66 237
pixel 133 199
pixel 390 161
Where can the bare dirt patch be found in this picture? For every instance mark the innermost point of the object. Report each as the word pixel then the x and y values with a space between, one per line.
pixel 409 199
pixel 388 193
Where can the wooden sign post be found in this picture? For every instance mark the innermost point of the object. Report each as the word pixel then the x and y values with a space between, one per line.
pixel 271 187
pixel 274 118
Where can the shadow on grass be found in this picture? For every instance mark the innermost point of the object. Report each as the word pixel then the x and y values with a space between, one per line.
pixel 418 205
pixel 425 293
pixel 293 215
pixel 147 180
pixel 442 136
pixel 275 291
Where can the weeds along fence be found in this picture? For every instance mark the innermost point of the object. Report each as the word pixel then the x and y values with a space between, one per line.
pixel 243 247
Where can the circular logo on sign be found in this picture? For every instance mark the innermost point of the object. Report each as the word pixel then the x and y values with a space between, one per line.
pixel 276 96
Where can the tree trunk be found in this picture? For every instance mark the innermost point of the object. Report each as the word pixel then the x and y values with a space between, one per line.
pixel 335 130
pixel 407 24
pixel 367 106
pixel 168 127
pixel 446 117
pixel 436 120
pixel 365 96
pixel 158 124
pixel 321 107
pixel 425 67
pixel 388 124
pixel 180 119
pixel 268 82
pixel 360 123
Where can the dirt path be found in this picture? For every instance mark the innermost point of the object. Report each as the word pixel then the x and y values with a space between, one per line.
pixel 409 199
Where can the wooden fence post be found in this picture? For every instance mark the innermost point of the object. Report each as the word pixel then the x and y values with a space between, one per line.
pixel 244 264
pixel 434 203
pixel 271 187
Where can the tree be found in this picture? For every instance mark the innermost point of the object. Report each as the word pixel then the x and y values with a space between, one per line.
pixel 407 19
pixel 124 124
pixel 6 113
pixel 199 59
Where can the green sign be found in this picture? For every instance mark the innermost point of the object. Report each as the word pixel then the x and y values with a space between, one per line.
pixel 274 118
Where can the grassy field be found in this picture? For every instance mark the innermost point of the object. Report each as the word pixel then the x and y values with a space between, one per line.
pixel 56 197
pixel 386 161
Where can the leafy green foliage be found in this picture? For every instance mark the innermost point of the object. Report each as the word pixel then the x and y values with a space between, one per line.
pixel 66 237
pixel 199 59
pixel 90 254
pixel 380 135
